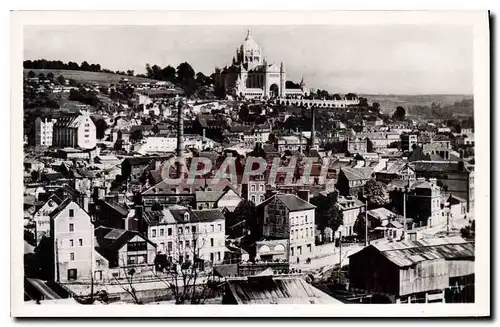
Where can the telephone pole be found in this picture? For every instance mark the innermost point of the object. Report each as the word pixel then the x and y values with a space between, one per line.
pixel 366 222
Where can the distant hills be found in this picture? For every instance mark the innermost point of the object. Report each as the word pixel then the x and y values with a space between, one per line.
pixel 417 105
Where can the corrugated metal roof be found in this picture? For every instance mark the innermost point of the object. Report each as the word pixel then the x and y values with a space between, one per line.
pixel 407 253
pixel 281 290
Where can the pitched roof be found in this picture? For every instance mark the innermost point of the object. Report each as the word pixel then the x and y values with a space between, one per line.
pixel 276 290
pixel 357 173
pixel 61 207
pixel 208 196
pixel 381 213
pixel 175 214
pixel 291 201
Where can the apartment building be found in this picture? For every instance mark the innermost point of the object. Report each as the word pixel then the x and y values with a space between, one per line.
pixel 44 131
pixel 76 131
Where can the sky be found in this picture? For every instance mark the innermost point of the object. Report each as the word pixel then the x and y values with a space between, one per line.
pixel 377 59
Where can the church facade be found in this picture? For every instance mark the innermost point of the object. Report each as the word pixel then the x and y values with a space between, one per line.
pixel 251 76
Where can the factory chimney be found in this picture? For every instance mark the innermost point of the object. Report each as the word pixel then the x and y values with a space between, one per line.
pixel 313 128
pixel 180 139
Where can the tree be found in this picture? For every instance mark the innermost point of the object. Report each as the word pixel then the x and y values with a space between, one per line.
pixel 182 269
pixel 41 76
pixel 129 287
pixel 328 214
pixel 399 114
pixel 149 71
pixel 185 72
pixel 359 226
pixel 376 107
pixel 31 74
pixel 168 74
pixel 50 76
pixel 130 72
pixel 469 231
pixel 85 66
pixel 376 193
pixel 61 80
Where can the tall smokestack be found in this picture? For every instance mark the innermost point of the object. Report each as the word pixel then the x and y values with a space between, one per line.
pixel 180 131
pixel 313 129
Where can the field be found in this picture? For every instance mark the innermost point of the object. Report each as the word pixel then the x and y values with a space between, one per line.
pixel 388 102
pixel 89 77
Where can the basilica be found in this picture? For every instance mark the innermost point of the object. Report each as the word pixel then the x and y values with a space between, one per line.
pixel 251 76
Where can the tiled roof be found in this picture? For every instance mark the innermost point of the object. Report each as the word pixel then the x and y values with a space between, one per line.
pixel 381 213
pixel 443 166
pixel 208 196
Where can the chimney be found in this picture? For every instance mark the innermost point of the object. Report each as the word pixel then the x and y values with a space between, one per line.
pixel 303 194
pixel 313 129
pixel 433 181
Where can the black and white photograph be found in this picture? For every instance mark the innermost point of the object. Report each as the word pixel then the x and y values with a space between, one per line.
pixel 198 159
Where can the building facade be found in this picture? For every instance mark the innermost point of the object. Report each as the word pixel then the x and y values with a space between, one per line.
pixel 44 131
pixel 251 76
pixel 76 131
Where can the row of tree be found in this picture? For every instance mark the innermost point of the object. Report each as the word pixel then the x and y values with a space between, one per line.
pixel 184 76
pixel 58 64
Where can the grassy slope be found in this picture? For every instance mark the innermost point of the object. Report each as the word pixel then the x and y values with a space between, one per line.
pixel 89 77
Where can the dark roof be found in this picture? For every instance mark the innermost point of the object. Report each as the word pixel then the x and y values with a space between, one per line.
pixel 61 207
pixel 291 201
pixel 439 166
pixel 120 209
pixel 110 240
pixel 156 217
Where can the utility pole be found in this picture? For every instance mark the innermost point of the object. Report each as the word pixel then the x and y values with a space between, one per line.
pixel 366 222
pixel 340 254
pixel 404 213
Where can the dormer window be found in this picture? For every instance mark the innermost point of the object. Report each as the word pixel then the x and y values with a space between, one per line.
pixel 186 216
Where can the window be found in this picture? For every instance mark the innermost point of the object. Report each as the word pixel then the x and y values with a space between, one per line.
pixel 193 229
pixel 212 228
pixel 291 251
pixel 80 242
pixel 211 257
pixel 261 198
pixel 309 246
pixel 219 227
pixel 187 244
pixel 299 249
pixel 212 242
pixel 71 213
pixel 72 274
pixel 306 219
pixel 169 246
pixel 71 227
pixel 162 245
pixel 218 256
pixel 262 188
pixel 153 231
pixel 181 244
pixel 72 256
pixel 186 230
pixel 162 231
pixel 169 232
pixel 70 242
pixel 179 230
pixel 253 188
pixel 253 198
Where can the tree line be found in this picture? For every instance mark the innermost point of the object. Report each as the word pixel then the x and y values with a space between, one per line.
pixel 183 75
pixel 58 64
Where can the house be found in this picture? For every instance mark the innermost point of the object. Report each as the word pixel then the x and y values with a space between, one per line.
pixel 265 289
pixel 395 170
pixel 287 216
pixel 75 130
pixel 44 131
pixel 72 234
pixel 414 271
pixel 183 234
pixel 380 217
pixel 407 141
pixel 393 230
pixel 134 167
pixel 351 180
pixel 457 207
pixel 42 217
pixel 271 250
pixel 228 199
pixel 454 176
pixel 350 207
pixel 121 250
pixel 254 189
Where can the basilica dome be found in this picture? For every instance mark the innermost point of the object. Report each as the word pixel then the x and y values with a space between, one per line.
pixel 249 45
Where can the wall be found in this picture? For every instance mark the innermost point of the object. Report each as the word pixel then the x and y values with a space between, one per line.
pixel 425 276
pixel 302 238
pixel 82 229
pixel 86 134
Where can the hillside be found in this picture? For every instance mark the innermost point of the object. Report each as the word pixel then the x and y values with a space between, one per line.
pixel 89 77
pixel 413 103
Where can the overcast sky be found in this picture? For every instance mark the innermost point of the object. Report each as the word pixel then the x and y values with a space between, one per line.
pixel 390 59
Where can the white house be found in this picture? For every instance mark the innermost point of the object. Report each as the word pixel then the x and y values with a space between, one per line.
pixel 75 130
pixel 72 233
pixel 184 234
